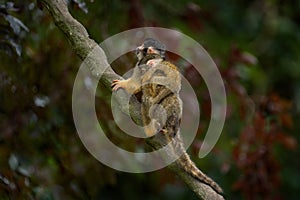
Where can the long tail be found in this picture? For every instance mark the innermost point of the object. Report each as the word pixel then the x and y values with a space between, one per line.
pixel 185 162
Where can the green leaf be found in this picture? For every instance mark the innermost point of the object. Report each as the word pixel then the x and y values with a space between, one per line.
pixel 13 162
pixel 15 24
pixel 17 47
pixel 8 6
pixel 81 5
pixel 24 171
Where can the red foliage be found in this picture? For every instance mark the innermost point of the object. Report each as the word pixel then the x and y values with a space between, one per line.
pixel 254 153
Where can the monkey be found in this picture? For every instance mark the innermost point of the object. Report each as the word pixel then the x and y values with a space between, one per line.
pixel 161 110
pixel 151 65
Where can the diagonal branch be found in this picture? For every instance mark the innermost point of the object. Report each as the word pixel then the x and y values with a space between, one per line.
pixel 83 46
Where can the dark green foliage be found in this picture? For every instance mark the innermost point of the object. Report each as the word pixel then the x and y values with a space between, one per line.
pixel 11 29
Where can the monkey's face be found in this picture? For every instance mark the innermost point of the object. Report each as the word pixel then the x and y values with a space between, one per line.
pixel 142 51
pixel 150 46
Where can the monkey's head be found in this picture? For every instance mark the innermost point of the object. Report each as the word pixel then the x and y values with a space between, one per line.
pixel 151 46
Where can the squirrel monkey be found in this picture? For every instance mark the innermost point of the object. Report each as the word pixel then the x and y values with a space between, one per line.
pixel 156 78
pixel 161 108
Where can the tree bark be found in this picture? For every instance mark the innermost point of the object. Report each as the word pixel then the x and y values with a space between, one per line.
pixel 83 46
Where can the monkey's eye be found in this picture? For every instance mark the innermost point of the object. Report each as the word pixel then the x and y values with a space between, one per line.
pixel 145 51
pixel 139 50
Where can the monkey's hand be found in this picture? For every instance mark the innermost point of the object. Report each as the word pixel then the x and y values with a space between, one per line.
pixel 119 84
pixel 128 85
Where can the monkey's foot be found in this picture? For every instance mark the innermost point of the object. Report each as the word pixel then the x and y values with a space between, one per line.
pixel 152 128
pixel 150 131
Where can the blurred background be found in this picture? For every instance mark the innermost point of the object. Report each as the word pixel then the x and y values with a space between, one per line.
pixel 256 46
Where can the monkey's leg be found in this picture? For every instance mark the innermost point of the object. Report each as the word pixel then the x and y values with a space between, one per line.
pixel 169 86
pixel 157 117
pixel 161 95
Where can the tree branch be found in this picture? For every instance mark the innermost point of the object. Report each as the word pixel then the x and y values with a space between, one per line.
pixel 83 46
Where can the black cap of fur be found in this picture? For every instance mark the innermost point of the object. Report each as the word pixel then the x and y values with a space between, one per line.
pixel 150 42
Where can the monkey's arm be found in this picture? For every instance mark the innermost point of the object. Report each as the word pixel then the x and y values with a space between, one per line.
pixel 131 85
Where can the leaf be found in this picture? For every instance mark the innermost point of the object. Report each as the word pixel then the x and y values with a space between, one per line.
pixel 81 5
pixel 15 24
pixel 13 162
pixel 17 47
pixel 9 44
pixel 8 6
pixel 248 58
pixel 24 171
pixel 288 141
pixel 41 101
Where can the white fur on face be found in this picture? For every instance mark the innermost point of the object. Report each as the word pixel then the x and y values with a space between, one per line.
pixel 139 52
pixel 154 62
